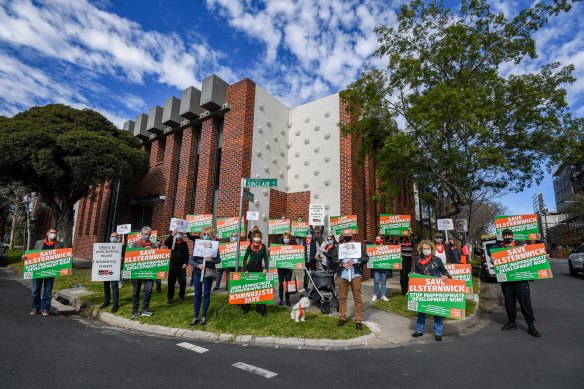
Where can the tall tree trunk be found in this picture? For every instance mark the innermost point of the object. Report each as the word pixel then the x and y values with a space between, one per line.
pixel 65 220
pixel 14 220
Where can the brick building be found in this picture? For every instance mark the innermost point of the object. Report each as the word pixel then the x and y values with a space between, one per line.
pixel 201 145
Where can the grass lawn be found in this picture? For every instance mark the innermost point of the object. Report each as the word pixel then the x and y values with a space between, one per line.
pixel 398 303
pixel 221 317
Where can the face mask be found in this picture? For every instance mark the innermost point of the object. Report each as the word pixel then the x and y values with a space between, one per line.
pixel 439 240
pixel 52 236
pixel 146 236
pixel 508 240
pixel 309 236
pixel 179 236
pixel 347 238
pixel 286 240
pixel 206 237
pixel 330 241
pixel 234 238
pixel 379 241
pixel 113 239
pixel 427 252
pixel 256 239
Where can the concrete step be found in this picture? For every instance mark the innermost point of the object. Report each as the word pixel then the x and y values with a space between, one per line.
pixel 62 308
pixel 73 297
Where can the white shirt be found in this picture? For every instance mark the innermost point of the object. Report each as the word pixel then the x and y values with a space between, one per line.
pixel 441 255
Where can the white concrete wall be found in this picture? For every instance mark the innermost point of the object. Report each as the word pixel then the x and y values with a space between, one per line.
pixel 300 147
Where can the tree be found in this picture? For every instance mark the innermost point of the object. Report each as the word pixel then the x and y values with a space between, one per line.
pixel 64 154
pixel 467 127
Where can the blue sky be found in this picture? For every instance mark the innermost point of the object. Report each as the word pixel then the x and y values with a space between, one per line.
pixel 122 57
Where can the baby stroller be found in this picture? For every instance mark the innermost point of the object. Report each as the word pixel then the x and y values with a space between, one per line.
pixel 321 289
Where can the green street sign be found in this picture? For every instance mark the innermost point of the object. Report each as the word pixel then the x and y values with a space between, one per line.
pixel 248 195
pixel 260 182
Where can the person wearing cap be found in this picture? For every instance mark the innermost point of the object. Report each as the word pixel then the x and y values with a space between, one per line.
pixel 517 291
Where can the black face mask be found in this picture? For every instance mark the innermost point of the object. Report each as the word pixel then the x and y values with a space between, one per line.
pixel 508 240
pixel 347 238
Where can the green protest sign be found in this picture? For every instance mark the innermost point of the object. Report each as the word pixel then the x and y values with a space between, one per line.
pixel 524 227
pixel 384 257
pixel 227 225
pixel 339 223
pixel 437 297
pixel 146 264
pixel 227 253
pixel 394 225
pixel 47 263
pixel 287 256
pixel 278 226
pixel 255 288
pixel 299 228
pixel 198 222
pixel 521 263
pixel 461 271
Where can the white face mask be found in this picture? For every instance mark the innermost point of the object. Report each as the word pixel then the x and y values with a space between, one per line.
pixel 427 252
pixel 234 238
pixel 52 236
pixel 330 241
pixel 113 239
pixel 286 240
pixel 256 239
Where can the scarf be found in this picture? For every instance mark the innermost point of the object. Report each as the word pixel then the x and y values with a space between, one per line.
pixel 440 250
pixel 425 261
pixel 48 243
pixel 329 246
pixel 145 244
pixel 259 248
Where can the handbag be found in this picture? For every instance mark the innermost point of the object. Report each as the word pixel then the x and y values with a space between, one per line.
pixel 291 287
pixel 210 274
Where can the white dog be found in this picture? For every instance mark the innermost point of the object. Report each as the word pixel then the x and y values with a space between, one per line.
pixel 299 310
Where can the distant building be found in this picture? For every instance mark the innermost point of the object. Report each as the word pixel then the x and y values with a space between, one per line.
pixel 568 181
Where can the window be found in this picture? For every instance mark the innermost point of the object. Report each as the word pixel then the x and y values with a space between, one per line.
pixel 142 216
pixel 161 149
pixel 220 123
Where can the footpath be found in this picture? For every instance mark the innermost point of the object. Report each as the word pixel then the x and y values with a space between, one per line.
pixel 388 330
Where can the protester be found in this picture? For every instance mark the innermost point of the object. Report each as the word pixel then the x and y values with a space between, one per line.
pixel 203 286
pixel 330 254
pixel 318 235
pixel 42 304
pixel 233 239
pixel 452 252
pixel 407 251
pixel 440 248
pixel 179 258
pixel 251 232
pixel 517 291
pixel 311 249
pixel 429 264
pixel 284 275
pixel 111 288
pixel 143 243
pixel 379 277
pixel 192 237
pixel 256 253
pixel 349 273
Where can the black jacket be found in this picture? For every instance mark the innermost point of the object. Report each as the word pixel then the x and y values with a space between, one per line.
pixel 434 268
pixel 452 254
pixel 332 255
pixel 180 254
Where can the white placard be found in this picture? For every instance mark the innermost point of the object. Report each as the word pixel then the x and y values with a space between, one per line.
pixel 252 215
pixel 107 260
pixel 444 224
pixel 316 214
pixel 124 229
pixel 350 250
pixel 178 225
pixel 206 248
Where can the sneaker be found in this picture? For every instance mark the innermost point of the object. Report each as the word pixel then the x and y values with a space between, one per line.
pixel 120 285
pixel 215 288
pixel 45 312
pixel 438 338
pixel 147 313
pixel 169 302
pixel 509 326
pixel 417 334
pixel 104 305
pixel 533 332
pixel 374 298
pixel 194 322
pixel 203 321
pixel 281 303
pixel 384 298
pixel 35 312
pixel 134 316
pixel 115 308
pixel 341 323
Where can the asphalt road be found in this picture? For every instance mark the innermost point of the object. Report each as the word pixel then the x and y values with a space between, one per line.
pixel 64 352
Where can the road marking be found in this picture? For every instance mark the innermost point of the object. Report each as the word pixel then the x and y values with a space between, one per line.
pixel 255 370
pixel 192 347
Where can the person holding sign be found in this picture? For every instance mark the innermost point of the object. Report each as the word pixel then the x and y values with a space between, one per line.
pixel 43 304
pixel 379 277
pixel 204 273
pixel 429 264
pixel 284 275
pixel 179 258
pixel 517 291
pixel 311 250
pixel 407 252
pixel 233 239
pixel 350 268
pixel 257 254
pixel 143 243
pixel 111 289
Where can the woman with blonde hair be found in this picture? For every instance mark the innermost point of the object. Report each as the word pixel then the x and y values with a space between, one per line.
pixel 206 264
pixel 429 264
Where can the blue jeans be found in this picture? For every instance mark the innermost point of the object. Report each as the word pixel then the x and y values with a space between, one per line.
pixel 44 303
pixel 136 295
pixel 421 322
pixel 198 291
pixel 219 276
pixel 379 278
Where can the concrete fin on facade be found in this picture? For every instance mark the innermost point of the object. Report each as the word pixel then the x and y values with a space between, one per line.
pixel 154 125
pixel 213 93
pixel 171 112
pixel 140 127
pixel 129 126
pixel 190 104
